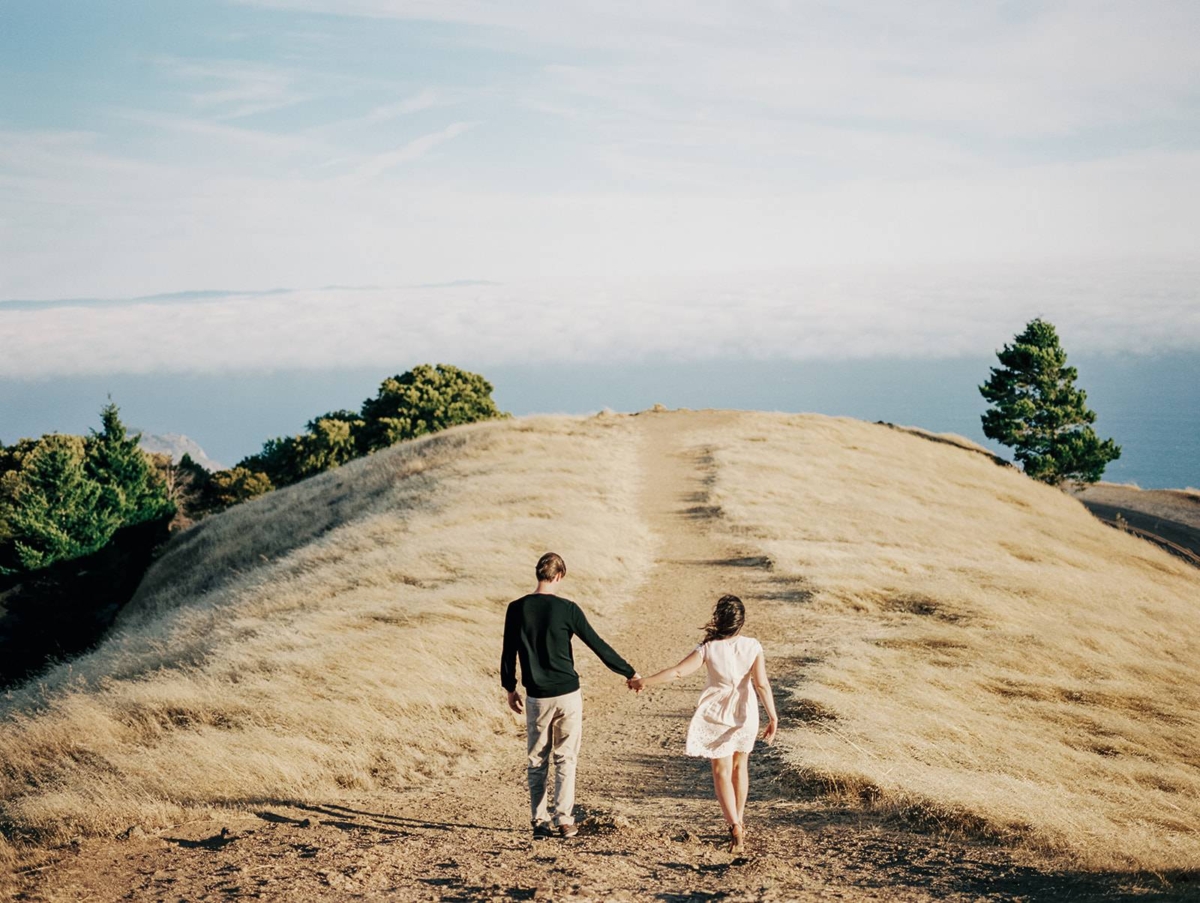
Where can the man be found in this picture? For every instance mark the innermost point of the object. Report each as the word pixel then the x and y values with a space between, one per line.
pixel 537 630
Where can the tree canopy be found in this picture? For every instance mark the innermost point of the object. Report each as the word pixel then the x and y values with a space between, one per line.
pixel 424 400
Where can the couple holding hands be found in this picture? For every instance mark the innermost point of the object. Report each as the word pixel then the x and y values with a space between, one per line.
pixel 538 629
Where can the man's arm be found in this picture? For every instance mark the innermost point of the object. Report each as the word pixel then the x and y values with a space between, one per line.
pixel 508 661
pixel 603 651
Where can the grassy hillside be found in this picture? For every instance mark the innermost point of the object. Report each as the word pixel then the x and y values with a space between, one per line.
pixel 990 655
pixel 962 644
pixel 341 634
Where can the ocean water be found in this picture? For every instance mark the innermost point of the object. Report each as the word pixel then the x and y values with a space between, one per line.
pixel 1148 403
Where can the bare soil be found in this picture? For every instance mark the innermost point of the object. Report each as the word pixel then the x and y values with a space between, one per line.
pixel 650 829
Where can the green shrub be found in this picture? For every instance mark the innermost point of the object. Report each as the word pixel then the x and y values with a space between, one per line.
pixel 412 404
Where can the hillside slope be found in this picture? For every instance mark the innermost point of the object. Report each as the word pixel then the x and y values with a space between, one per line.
pixel 951 642
pixel 996 658
pixel 336 635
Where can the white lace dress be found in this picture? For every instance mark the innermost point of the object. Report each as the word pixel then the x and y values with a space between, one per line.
pixel 726 719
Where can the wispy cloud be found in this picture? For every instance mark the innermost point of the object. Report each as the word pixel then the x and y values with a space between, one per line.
pixel 997 67
pixel 409 152
pixel 234 89
pixel 262 143
pixel 425 100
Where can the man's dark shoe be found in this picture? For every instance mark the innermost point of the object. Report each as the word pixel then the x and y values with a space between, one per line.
pixel 542 830
pixel 565 831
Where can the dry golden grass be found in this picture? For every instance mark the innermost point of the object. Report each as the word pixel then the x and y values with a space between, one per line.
pixel 338 635
pixel 989 655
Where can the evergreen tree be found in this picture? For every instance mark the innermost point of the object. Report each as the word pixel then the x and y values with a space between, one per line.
pixel 1038 412
pixel 54 511
pixel 424 400
pixel 12 459
pixel 131 490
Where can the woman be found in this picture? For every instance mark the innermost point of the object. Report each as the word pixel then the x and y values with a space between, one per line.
pixel 726 720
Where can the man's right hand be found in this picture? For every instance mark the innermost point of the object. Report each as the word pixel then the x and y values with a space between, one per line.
pixel 515 702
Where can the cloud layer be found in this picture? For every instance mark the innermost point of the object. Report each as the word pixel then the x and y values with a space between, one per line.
pixel 811 314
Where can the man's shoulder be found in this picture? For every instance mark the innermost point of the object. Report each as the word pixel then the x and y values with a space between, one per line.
pixel 556 607
pixel 543 598
pixel 517 604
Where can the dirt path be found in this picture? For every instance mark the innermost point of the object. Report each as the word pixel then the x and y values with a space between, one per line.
pixel 1168 518
pixel 650 827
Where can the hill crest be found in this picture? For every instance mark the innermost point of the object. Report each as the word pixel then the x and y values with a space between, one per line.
pixel 956 641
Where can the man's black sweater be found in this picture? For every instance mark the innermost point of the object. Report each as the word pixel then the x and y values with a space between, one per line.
pixel 538 630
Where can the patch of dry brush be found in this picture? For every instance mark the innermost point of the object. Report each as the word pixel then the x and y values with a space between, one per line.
pixel 339 635
pixel 990 655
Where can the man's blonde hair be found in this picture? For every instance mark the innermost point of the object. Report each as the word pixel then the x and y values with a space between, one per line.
pixel 550 566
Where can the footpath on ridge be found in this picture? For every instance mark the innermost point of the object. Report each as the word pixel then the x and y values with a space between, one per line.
pixel 650 828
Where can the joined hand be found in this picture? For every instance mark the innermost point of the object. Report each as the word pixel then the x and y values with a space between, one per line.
pixel 636 683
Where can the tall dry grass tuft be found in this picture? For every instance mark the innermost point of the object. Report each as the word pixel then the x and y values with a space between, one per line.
pixel 338 635
pixel 988 655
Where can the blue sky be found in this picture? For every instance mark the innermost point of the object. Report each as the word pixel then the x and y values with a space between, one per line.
pixel 594 180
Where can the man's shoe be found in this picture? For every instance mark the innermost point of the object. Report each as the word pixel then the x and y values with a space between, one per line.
pixel 565 831
pixel 542 830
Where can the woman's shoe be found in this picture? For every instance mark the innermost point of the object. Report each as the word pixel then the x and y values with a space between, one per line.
pixel 737 839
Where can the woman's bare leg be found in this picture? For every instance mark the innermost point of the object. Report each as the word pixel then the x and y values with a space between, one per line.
pixel 741 783
pixel 722 771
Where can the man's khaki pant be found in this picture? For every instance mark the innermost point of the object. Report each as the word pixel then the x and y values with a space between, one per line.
pixel 554 727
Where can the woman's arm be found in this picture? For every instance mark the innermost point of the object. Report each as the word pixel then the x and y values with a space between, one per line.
pixel 688 666
pixel 763 687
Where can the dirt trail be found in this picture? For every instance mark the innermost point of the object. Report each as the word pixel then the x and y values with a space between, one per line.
pixel 650 827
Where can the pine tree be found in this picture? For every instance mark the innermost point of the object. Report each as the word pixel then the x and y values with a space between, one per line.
pixel 54 512
pixel 1038 411
pixel 131 490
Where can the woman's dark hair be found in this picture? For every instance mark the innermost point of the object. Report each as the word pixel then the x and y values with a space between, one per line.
pixel 727 618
